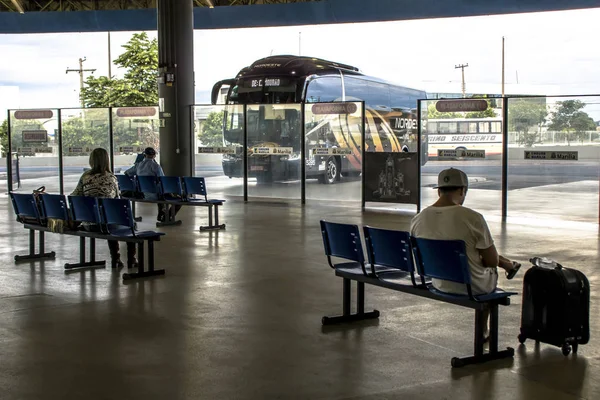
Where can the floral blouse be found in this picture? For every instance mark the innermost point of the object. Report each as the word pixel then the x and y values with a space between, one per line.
pixel 97 185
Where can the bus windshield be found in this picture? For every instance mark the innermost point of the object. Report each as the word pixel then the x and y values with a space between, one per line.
pixel 268 123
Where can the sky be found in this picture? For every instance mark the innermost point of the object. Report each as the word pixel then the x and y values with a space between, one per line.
pixel 546 53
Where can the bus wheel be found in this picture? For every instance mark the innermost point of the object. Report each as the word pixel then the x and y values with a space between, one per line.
pixel 332 172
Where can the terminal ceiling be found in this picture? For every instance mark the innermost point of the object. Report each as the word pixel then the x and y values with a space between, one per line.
pixel 45 16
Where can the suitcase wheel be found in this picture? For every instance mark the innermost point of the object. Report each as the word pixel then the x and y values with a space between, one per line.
pixel 566 349
pixel 522 338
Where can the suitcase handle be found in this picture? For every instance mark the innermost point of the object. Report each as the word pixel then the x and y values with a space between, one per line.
pixel 543 262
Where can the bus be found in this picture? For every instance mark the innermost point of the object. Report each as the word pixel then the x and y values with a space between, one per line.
pixel 283 80
pixel 464 134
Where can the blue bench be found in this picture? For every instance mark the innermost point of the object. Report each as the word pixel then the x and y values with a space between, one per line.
pixel 105 213
pixel 173 191
pixel 404 264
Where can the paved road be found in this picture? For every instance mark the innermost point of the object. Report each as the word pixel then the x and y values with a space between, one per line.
pixel 521 174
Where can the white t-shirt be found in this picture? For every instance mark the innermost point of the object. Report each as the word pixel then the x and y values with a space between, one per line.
pixel 459 223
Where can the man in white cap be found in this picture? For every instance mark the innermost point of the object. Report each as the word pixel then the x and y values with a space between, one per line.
pixel 447 219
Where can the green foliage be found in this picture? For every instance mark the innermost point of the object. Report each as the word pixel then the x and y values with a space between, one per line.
pixel 138 86
pixel 4 137
pixel 525 114
pixel 88 129
pixel 569 118
pixel 211 131
pixel 487 113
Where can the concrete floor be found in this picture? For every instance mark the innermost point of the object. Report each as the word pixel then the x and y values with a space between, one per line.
pixel 238 316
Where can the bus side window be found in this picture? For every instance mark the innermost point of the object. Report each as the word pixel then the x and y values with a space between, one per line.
pixel 484 127
pixel 356 89
pixel 324 89
pixel 378 95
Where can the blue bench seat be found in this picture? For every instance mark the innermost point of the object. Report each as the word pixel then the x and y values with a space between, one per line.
pixel 404 264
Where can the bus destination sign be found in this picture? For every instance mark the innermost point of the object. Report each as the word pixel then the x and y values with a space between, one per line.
pixel 451 154
pixel 552 155
pixel 266 82
pixel 461 105
pixel 334 108
pixel 37 135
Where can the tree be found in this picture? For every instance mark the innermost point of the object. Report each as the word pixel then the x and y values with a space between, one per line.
pixel 524 114
pixel 569 118
pixel 89 129
pixel 138 86
pixel 211 131
pixel 4 137
pixel 582 123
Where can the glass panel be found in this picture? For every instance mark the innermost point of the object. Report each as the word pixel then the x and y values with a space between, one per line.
pixel 452 140
pixel 82 131
pixel 134 128
pixel 333 151
pixel 553 156
pixel 274 150
pixel 219 137
pixel 34 137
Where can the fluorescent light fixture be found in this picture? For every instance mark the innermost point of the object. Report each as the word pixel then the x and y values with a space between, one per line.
pixel 209 2
pixel 17 4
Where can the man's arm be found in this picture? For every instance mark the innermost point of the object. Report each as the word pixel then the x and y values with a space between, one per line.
pixel 131 171
pixel 159 170
pixel 485 244
pixel 489 257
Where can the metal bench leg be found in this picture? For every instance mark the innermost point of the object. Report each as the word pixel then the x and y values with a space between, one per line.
pixel 479 356
pixel 170 217
pixel 136 219
pixel 32 254
pixel 141 273
pixel 347 316
pixel 82 264
pixel 216 226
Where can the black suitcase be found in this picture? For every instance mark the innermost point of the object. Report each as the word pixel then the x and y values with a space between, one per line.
pixel 556 307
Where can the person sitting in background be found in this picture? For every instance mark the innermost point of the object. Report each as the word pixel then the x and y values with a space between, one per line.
pixel 149 167
pixel 99 181
pixel 448 219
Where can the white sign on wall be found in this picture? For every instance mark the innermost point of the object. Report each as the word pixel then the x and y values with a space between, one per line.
pixel 258 151
pixel 216 150
pixel 452 154
pixel 552 155
pixel 331 151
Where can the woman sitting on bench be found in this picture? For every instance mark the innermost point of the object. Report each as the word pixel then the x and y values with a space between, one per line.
pixel 100 182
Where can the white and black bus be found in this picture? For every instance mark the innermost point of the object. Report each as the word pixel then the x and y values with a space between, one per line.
pixel 390 117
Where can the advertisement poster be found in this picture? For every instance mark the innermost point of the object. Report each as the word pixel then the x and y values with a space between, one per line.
pixel 391 178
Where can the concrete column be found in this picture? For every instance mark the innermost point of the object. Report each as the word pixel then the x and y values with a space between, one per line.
pixel 176 85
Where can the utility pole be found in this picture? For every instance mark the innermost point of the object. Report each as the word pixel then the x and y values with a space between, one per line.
pixel 81 71
pixel 109 59
pixel 464 86
pixel 502 66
